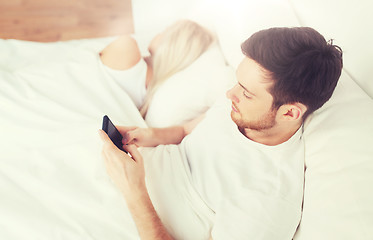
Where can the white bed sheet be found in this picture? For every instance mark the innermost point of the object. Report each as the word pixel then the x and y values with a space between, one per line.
pixel 53 184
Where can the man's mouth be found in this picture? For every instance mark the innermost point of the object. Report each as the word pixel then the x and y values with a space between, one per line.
pixel 234 108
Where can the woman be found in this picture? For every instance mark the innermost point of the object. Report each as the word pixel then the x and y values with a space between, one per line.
pixel 171 51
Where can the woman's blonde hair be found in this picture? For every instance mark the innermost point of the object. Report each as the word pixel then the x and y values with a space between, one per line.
pixel 180 45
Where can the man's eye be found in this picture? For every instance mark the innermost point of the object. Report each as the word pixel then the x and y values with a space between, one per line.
pixel 246 95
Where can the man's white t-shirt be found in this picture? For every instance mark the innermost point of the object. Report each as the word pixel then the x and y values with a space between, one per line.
pixel 218 182
pixel 255 190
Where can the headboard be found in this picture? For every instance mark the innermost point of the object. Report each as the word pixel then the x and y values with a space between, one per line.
pixel 54 20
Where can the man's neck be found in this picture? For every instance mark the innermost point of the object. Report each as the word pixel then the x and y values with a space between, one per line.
pixel 271 137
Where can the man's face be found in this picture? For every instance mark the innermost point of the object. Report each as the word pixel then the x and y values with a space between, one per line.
pixel 251 102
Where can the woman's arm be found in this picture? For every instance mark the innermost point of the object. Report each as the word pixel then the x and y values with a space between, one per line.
pixel 121 54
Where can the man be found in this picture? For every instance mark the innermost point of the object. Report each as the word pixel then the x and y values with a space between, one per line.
pixel 240 173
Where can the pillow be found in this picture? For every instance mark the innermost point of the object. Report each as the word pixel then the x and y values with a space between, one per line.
pixel 338 200
pixel 190 92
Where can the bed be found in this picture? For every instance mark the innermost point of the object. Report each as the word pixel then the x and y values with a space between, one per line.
pixel 53 95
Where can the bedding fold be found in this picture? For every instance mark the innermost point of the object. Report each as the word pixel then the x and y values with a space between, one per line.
pixel 53 183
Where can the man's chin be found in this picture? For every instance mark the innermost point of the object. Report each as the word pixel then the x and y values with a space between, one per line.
pixel 235 118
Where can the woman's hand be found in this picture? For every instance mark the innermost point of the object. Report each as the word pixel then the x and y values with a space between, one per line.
pixel 127 172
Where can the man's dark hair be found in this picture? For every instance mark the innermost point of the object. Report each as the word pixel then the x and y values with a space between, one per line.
pixel 305 67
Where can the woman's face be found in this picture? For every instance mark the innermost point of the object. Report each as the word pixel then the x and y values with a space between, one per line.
pixel 154 43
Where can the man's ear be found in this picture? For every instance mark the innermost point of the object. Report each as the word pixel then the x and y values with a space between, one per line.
pixel 292 112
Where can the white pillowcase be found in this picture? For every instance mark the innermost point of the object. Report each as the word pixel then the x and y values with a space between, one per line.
pixel 338 198
pixel 190 92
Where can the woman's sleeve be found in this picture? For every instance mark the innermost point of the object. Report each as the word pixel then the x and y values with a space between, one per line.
pixel 131 80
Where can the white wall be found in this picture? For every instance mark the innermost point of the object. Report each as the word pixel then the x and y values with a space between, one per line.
pixel 152 16
pixel 348 22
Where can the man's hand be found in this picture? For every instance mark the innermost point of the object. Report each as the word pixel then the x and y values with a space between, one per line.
pixel 141 137
pixel 127 172
pixel 151 137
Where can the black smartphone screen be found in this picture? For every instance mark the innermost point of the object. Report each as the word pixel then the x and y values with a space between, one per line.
pixel 112 132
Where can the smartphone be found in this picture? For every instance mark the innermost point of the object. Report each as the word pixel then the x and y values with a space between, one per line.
pixel 113 133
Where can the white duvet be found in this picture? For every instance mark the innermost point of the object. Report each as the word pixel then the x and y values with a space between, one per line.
pixel 53 183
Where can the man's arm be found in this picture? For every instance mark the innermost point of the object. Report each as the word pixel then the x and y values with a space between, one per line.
pixel 151 137
pixel 146 218
pixel 128 175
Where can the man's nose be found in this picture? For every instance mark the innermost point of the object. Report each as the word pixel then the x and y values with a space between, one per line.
pixel 231 95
